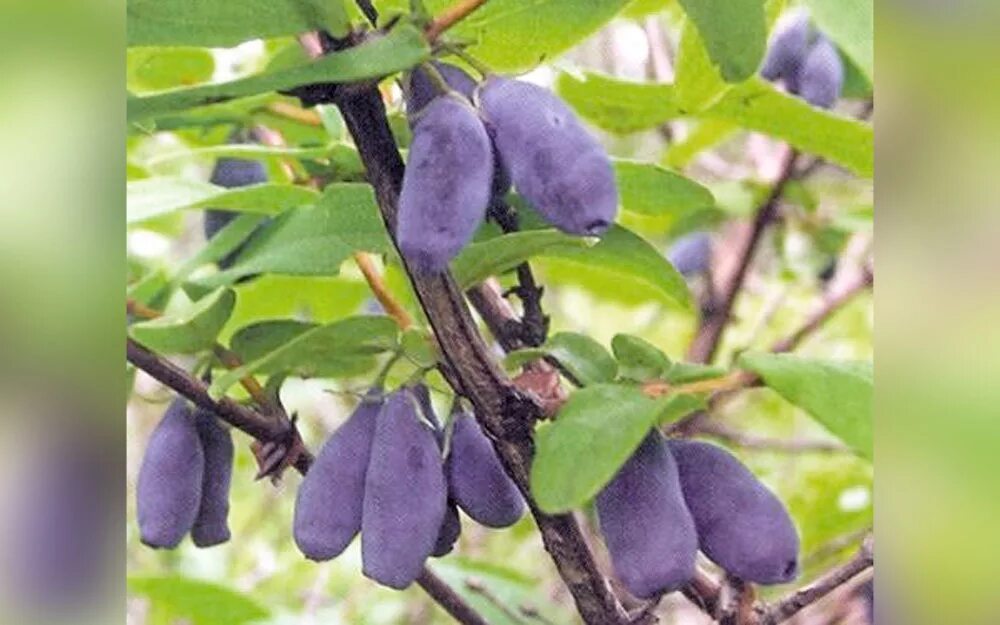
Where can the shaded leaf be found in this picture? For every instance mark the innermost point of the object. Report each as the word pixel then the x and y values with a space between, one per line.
pixel 638 359
pixel 154 197
pixel 851 24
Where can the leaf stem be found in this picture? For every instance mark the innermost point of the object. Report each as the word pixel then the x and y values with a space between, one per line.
pixel 375 281
pixel 451 16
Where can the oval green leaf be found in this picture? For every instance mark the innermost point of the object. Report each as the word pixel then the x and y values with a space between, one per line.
pixel 190 330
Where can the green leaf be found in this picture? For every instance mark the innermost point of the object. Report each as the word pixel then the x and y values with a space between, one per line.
pixel 401 49
pixel 313 240
pixel 419 347
pixel 155 69
pixel 190 330
pixel 684 372
pixel 342 348
pixel 223 23
pixel 638 359
pixel 677 407
pixel 698 81
pixel 622 254
pixel 837 394
pixel 651 190
pixel 583 357
pixel 757 105
pixel 593 435
pixel 154 197
pixel 616 105
pixel 514 35
pixel 851 24
pixel 495 256
pixel 202 603
pixel 734 32
pixel 637 9
pixel 703 136
pixel 520 357
pixel 223 243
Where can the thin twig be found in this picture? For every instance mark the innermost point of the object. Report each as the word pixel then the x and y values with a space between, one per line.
pixel 831 303
pixel 264 428
pixel 451 16
pixel 799 600
pixel 447 598
pixel 835 546
pixel 748 441
pixel 706 341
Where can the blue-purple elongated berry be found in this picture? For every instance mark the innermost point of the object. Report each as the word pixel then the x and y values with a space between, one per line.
pixel 742 526
pixel 476 479
pixel 787 48
pixel 330 501
pixel 446 185
pixel 691 254
pixel 451 527
pixel 821 77
pixel 557 165
pixel 405 495
pixel 168 489
pixel 422 89
pixel 211 526
pixel 646 525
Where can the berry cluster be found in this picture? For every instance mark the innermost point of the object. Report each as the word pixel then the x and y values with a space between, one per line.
pixel 806 60
pixel 472 141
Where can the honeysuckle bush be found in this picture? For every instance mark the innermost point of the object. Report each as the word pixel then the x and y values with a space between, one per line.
pixel 300 282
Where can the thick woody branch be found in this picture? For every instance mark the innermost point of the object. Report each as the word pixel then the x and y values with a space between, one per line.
pixel 506 413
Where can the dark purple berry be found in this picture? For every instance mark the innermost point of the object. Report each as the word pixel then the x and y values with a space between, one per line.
pixel 168 490
pixel 451 527
pixel 405 495
pixel 742 526
pixel 476 478
pixel 646 526
pixel 329 504
pixel 557 165
pixel 446 185
pixel 211 527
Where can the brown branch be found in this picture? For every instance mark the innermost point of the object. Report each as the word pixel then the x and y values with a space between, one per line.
pixel 446 597
pixel 506 414
pixel 704 592
pixel 226 357
pixel 451 16
pixel 264 428
pixel 706 341
pixel 799 600
pixel 831 303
